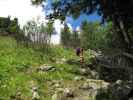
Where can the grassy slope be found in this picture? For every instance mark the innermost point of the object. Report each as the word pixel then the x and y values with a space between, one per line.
pixel 17 64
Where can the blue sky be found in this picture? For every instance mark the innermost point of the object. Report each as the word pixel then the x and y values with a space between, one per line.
pixel 77 22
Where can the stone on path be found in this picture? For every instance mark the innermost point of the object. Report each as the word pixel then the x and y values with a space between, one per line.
pixel 35 95
pixel 45 68
pixel 61 61
pixel 84 71
pixel 78 78
pixel 68 92
pixel 95 74
pixel 55 97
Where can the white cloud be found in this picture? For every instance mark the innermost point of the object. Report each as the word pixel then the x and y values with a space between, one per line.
pixel 56 38
pixel 70 27
pixel 24 11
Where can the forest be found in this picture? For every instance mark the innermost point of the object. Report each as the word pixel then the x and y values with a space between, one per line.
pixel 93 62
pixel 8 26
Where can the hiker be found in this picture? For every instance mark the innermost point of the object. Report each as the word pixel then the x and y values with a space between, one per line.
pixel 80 53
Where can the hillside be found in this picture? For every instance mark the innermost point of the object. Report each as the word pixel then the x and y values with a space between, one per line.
pixel 28 73
pixel 19 64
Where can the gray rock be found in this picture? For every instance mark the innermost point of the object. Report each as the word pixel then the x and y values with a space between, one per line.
pixel 61 61
pixel 18 96
pixel 94 74
pixel 63 94
pixel 78 78
pixel 57 85
pixel 44 68
pixel 59 90
pixel 93 86
pixel 68 92
pixel 58 94
pixel 55 97
pixel 119 82
pixel 83 71
pixel 35 95
pixel 86 86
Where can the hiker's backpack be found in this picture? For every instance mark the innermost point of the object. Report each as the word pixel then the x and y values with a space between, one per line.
pixel 78 51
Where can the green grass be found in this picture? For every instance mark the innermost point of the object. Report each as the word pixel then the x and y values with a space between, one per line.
pixel 18 63
pixel 18 69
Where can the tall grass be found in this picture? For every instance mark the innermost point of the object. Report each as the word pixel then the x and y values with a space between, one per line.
pixel 18 64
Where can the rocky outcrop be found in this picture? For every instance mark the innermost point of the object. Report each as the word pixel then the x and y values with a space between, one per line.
pixel 89 89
